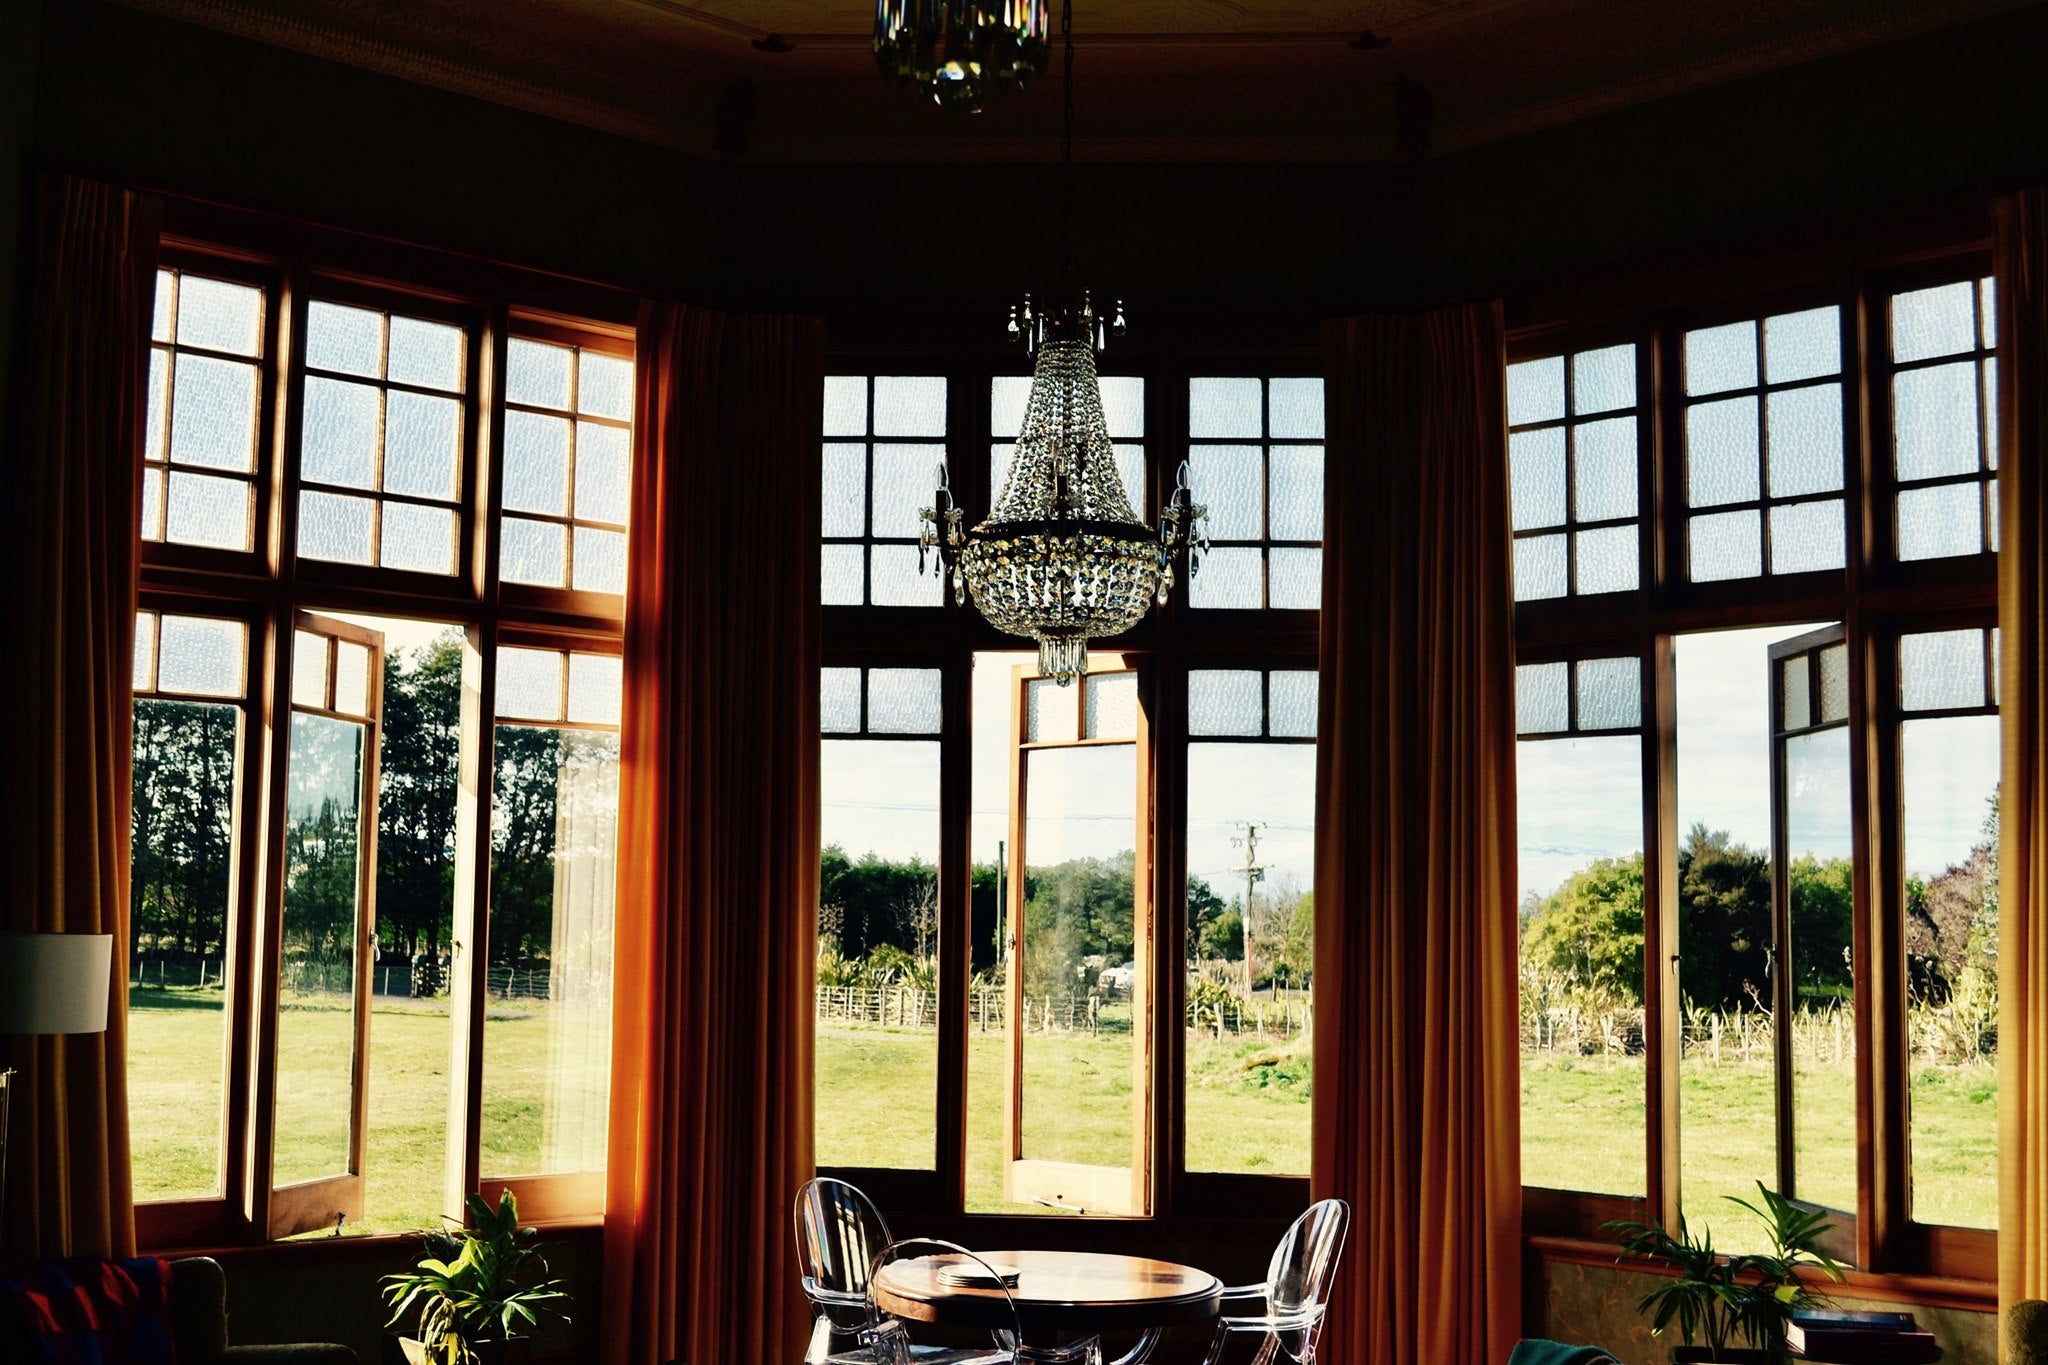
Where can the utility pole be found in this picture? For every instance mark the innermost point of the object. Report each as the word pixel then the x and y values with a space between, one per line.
pixel 1253 875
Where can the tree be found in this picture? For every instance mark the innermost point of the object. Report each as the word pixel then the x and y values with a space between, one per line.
pixel 182 822
pixel 1823 926
pixel 1590 930
pixel 1952 920
pixel 1724 921
pixel 1205 908
pixel 418 790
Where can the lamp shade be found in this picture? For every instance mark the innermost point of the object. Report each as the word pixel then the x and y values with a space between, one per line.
pixel 54 983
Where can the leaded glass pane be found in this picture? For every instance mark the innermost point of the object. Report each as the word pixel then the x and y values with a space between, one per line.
pixel 1294 579
pixel 1933 322
pixel 1941 670
pixel 1539 567
pixel 1224 701
pixel 1806 440
pixel 597 688
pixel 1721 452
pixel 529 684
pixel 1725 545
pixel 1604 470
pixel 1536 471
pixel 1293 700
pixel 201 656
pixel 1604 380
pixel 839 701
pixel 1536 391
pixel 1606 559
pixel 1110 707
pixel 1720 358
pixel 1542 698
pixel 1947 519
pixel 1806 536
pixel 910 405
pixel 903 701
pixel 1610 694
pixel 1804 345
pixel 1934 421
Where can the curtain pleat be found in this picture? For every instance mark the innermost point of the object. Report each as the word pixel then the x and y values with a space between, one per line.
pixel 712 1062
pixel 1415 1109
pixel 74 492
pixel 2021 261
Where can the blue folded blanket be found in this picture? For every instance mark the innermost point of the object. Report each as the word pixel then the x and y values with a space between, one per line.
pixel 1534 1352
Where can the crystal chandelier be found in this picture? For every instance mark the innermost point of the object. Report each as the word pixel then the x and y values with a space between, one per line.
pixel 963 51
pixel 1062 557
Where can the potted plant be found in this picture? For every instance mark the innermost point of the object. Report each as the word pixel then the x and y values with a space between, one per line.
pixel 1737 1307
pixel 479 1290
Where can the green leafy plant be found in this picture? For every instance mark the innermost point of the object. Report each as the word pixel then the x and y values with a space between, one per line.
pixel 1724 1300
pixel 486 1282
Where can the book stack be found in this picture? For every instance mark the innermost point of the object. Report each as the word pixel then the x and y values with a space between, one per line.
pixel 1860 1338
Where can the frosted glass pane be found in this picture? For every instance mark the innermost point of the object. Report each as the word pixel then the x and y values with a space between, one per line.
pixel 999 457
pixel 1295 408
pixel 894 580
pixel 159 405
pixel 1940 521
pixel 201 656
pixel 905 480
pixel 1008 395
pixel 1721 452
pixel 1604 469
pixel 1536 390
pixel 845 489
pixel 1536 477
pixel 1610 694
pixel 340 441
pixel 213 413
pixel 152 504
pixel 1720 358
pixel 420 444
pixel 839 701
pixel 1294 485
pixel 1604 380
pixel 1795 677
pixel 428 354
pixel 1539 568
pixel 1726 545
pixel 1292 697
pixel 1990 400
pixel 903 701
pixel 351 678
pixel 839 575
pixel 1294 579
pixel 846 405
pixel 1123 406
pixel 160 306
pixel 596 688
pixel 1941 670
pixel 204 510
pixel 604 458
pixel 345 340
pixel 1834 683
pixel 1228 577
pixel 1226 480
pixel 1934 421
pixel 1805 428
pixel 1932 322
pixel 1130 467
pixel 1807 536
pixel 1607 559
pixel 604 385
pixel 1050 711
pixel 1803 345
pixel 219 316
pixel 1991 510
pixel 536 463
pixel 598 560
pixel 1110 707
pixel 529 684
pixel 1224 407
pixel 537 373
pixel 532 552
pixel 1224 701
pixel 309 669
pixel 910 405
pixel 419 539
pixel 1987 304
pixel 143 678
pixel 1542 699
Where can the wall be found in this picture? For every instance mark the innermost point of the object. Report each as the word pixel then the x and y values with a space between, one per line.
pixel 20 25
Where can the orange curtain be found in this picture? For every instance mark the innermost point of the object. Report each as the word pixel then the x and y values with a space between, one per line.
pixel 1415 1098
pixel 72 510
pixel 718 879
pixel 2021 250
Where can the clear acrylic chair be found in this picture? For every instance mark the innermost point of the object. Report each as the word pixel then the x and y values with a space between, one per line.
pixel 839 1233
pixel 891 1340
pixel 1295 1294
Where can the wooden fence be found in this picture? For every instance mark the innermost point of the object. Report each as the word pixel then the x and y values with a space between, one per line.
pixel 908 1007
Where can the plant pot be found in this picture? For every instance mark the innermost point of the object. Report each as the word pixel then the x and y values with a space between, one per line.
pixel 1707 1355
pixel 400 1350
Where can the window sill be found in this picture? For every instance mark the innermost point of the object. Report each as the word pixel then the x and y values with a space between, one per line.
pixel 375 1246
pixel 1929 1291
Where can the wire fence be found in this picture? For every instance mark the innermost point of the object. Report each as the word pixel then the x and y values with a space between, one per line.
pixel 988 1008
pixel 1951 1031
pixel 417 977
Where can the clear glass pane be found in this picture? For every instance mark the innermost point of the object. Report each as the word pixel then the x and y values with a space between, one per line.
pixel 1293 697
pixel 536 464
pixel 161 304
pixel 1934 421
pixel 1224 701
pixel 1817 818
pixel 903 701
pixel 331 527
pixel 1721 452
pixel 204 510
pixel 1051 712
pixel 1804 345
pixel 213 414
pixel 417 539
pixel 1542 698
pixel 201 656
pixel 1604 469
pixel 1932 322
pixel 1607 559
pixel 845 495
pixel 1941 670
pixel 894 579
pixel 421 436
pixel 339 445
pixel 143 676
pixel 1947 519
pixel 153 437
pixel 345 340
pixel 1295 408
pixel 1582 1029
pixel 1720 358
pixel 181 856
pixel 1536 477
pixel 428 354
pixel 529 684
pixel 912 405
pixel 1610 694
pixel 1604 380
pixel 839 575
pixel 1228 479
pixel 547 1035
pixel 1294 476
pixel 1726 545
pixel 1110 707
pixel 1806 536
pixel 604 458
pixel 846 405
pixel 1536 391
pixel 316 1017
pixel 152 504
pixel 532 552
pixel 1123 405
pixel 1294 579
pixel 839 701
pixel 905 477
pixel 1795 677
pixel 1246 1048
pixel 309 669
pixel 1806 440
pixel 596 688
pixel 1834 683
pixel 1225 408
pixel 877 1001
pixel 604 385
pixel 537 373
pixel 352 678
pixel 1228 577
pixel 600 560
pixel 1539 567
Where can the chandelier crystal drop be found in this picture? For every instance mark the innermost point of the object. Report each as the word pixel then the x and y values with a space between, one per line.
pixel 962 51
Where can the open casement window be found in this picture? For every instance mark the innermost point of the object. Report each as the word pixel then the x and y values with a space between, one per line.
pixel 326 805
pixel 1080 887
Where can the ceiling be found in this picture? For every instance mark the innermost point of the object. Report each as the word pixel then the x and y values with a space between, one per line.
pixel 1155 80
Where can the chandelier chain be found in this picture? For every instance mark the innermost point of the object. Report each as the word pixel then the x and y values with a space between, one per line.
pixel 1067 147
